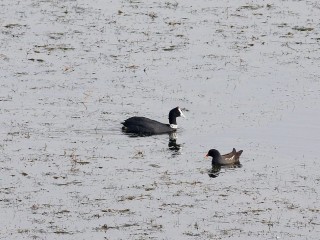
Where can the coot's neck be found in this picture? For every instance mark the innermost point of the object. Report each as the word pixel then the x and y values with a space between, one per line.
pixel 172 118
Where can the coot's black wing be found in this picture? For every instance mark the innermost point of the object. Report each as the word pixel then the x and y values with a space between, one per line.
pixel 142 125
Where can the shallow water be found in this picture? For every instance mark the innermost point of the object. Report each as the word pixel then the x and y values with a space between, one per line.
pixel 247 76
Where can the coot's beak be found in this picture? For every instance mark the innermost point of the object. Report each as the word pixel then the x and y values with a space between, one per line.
pixel 181 113
pixel 206 155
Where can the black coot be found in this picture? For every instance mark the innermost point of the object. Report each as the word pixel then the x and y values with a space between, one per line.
pixel 146 126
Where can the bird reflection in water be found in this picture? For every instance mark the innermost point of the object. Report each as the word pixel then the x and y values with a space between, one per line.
pixel 173 145
pixel 216 169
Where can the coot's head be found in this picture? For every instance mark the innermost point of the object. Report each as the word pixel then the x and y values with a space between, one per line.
pixel 213 153
pixel 173 114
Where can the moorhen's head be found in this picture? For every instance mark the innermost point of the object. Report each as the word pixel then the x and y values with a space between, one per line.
pixel 213 153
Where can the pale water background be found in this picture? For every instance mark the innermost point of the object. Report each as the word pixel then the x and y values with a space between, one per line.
pixel 247 74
